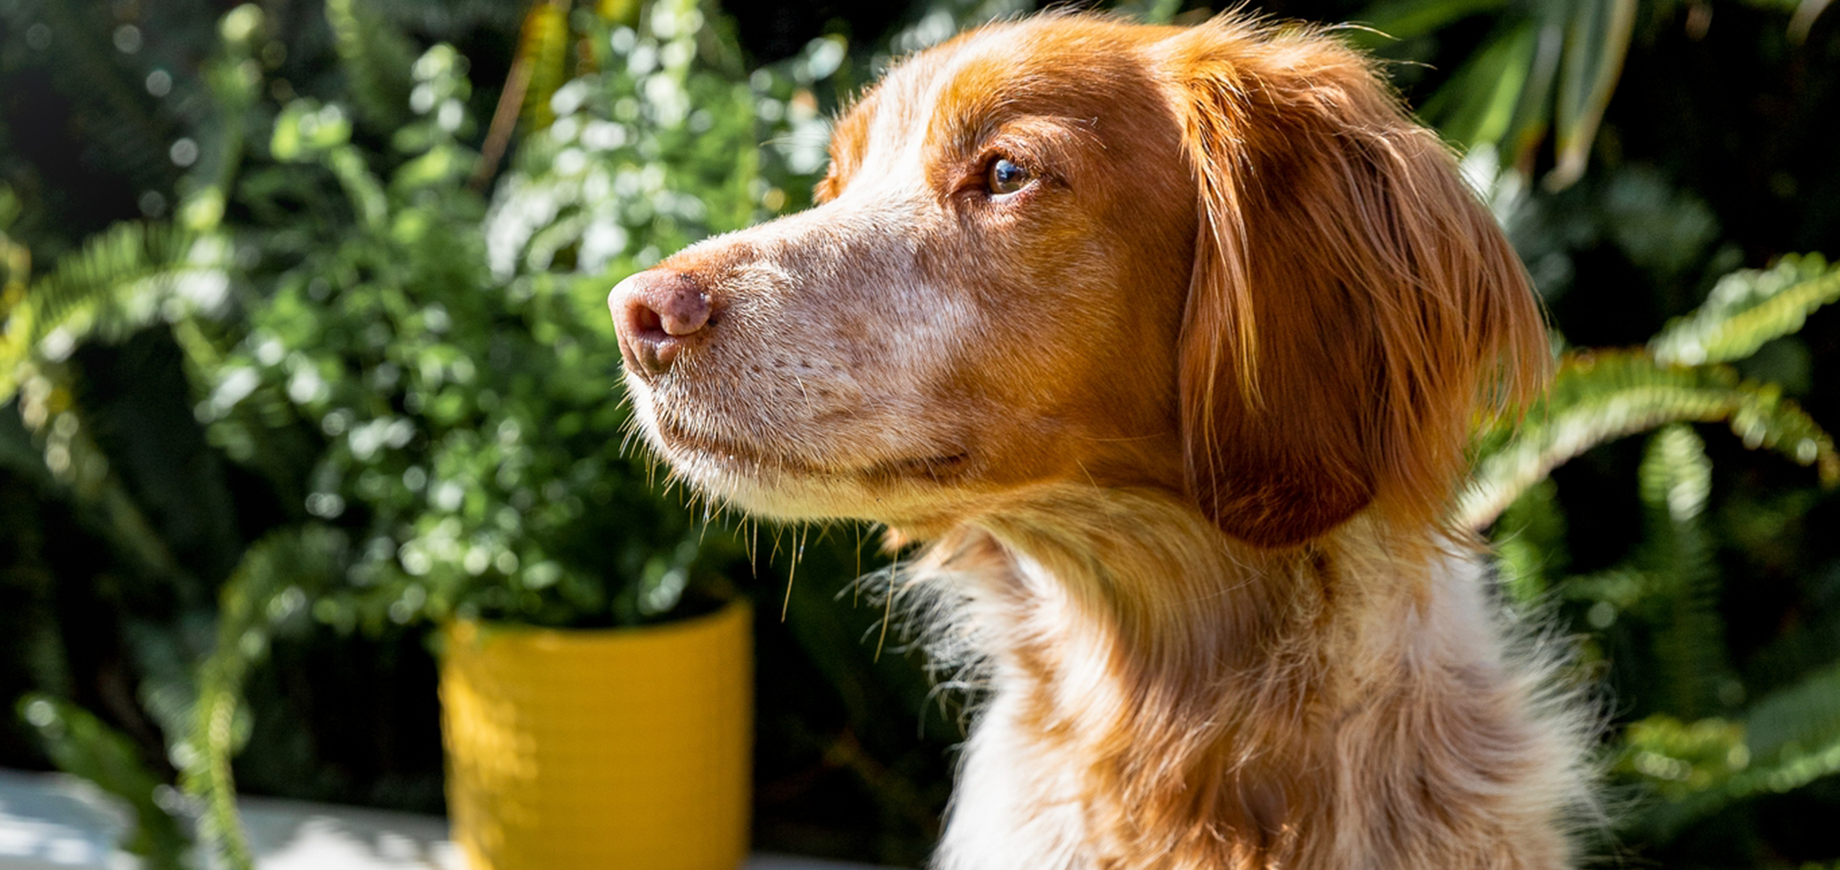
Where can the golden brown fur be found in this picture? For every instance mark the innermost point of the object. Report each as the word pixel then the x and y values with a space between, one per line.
pixel 1180 415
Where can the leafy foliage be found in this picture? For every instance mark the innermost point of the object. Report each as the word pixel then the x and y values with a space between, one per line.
pixel 1601 395
pixel 277 577
pixel 429 382
pixel 1747 309
pixel 1598 396
pixel 1692 755
pixel 1545 66
pixel 88 747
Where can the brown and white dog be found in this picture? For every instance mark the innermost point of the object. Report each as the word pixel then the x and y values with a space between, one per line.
pixel 1168 341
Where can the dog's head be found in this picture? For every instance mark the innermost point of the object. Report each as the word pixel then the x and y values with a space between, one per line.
pixel 1218 260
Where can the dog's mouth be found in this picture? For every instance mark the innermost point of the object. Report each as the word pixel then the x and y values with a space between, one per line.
pixel 735 455
pixel 936 467
pixel 739 457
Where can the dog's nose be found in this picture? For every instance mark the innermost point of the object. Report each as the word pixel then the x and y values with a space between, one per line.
pixel 656 312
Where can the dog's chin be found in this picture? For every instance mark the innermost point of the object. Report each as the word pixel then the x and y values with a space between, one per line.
pixel 898 492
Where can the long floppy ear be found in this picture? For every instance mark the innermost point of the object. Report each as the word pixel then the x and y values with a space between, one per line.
pixel 1352 305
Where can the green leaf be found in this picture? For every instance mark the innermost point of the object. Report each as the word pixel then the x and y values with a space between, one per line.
pixel 1601 396
pixel 1488 88
pixel 304 558
pixel 306 129
pixel 1748 308
pixel 1682 760
pixel 377 59
pixel 1533 117
pixel 544 48
pixel 1596 42
pixel 1404 19
pixel 120 280
pixel 107 284
pixel 83 745
pixel 1689 639
pixel 1792 738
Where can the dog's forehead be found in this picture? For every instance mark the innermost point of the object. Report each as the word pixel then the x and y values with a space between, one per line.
pixel 1008 69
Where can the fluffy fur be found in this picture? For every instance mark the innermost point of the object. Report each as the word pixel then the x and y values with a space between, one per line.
pixel 1167 342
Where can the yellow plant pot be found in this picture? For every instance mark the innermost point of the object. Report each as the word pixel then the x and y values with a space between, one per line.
pixel 614 748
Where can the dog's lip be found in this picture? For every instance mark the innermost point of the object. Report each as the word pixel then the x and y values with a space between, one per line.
pixel 678 437
pixel 933 465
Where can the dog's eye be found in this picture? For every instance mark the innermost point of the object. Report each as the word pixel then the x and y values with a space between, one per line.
pixel 1005 176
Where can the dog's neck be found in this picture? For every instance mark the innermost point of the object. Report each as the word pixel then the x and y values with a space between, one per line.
pixel 1149 675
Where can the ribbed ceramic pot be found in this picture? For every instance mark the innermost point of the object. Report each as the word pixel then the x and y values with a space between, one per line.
pixel 600 748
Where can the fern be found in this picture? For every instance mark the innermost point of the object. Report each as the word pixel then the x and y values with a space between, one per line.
pixel 86 289
pixel 1599 396
pixel 118 282
pixel 376 59
pixel 1672 584
pixel 1790 739
pixel 1676 481
pixel 15 276
pixel 1682 761
pixel 1797 721
pixel 1748 308
pixel 83 745
pixel 284 565
pixel 1533 546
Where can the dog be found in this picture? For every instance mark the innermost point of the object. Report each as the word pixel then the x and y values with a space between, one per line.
pixel 1167 344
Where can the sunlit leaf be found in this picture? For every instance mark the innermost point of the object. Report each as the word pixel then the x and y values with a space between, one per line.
pixel 1604 395
pixel 1675 482
pixel 1404 19
pixel 1596 41
pixel 1680 759
pixel 1481 101
pixel 1747 309
pixel 1792 738
pixel 81 744
pixel 118 282
pixel 377 60
pixel 543 50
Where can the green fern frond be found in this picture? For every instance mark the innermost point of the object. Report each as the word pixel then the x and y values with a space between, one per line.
pixel 1689 642
pixel 377 58
pixel 1683 762
pixel 1803 718
pixel 83 745
pixel 1791 738
pixel 107 286
pixel 1530 542
pixel 15 265
pixel 104 286
pixel 1604 395
pixel 1747 308
pixel 119 281
pixel 296 559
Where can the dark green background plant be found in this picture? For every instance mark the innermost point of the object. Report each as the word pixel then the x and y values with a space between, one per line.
pixel 305 349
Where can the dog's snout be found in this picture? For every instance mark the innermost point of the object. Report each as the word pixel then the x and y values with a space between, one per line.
pixel 657 312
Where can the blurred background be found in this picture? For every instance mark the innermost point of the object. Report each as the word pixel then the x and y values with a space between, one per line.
pixel 306 353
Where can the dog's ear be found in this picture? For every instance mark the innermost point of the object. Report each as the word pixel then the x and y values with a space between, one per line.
pixel 1352 305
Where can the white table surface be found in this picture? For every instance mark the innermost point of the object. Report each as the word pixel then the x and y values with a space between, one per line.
pixel 58 822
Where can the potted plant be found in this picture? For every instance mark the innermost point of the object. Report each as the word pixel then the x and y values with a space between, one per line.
pixel 594 746
pixel 426 378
